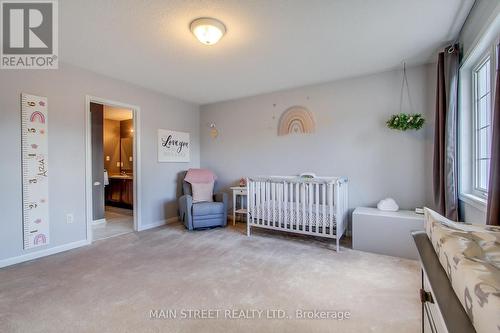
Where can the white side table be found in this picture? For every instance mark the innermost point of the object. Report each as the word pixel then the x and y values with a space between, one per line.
pixel 385 232
pixel 242 192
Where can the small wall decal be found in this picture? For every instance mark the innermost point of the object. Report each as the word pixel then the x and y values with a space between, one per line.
pixel 296 120
pixel 214 133
pixel 39 239
pixel 38 116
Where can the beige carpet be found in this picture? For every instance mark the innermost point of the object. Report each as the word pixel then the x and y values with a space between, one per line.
pixel 112 285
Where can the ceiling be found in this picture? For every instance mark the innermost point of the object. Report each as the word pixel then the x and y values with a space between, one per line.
pixel 269 45
pixel 113 113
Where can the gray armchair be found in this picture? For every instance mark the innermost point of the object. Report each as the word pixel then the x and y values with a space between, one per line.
pixel 201 215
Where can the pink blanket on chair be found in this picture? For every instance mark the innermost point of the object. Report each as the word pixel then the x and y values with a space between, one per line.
pixel 200 176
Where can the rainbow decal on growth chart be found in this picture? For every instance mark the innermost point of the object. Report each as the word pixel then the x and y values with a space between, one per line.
pixel 34 130
pixel 37 116
pixel 39 239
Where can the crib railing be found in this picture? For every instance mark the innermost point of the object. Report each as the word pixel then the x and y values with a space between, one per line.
pixel 316 206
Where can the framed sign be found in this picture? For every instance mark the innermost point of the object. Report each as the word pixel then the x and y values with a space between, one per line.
pixel 173 146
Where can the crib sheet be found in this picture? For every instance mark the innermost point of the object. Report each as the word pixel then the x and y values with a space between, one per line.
pixel 270 211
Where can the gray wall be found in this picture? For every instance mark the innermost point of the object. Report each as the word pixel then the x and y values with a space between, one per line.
pixel 66 89
pixel 479 18
pixel 351 137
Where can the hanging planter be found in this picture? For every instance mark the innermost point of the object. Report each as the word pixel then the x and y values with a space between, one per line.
pixel 405 121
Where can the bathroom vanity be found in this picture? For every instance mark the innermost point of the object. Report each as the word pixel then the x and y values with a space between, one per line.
pixel 120 191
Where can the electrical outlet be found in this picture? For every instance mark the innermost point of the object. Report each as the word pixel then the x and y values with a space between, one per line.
pixel 69 218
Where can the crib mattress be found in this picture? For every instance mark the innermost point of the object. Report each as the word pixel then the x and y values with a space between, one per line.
pixel 269 211
pixel 470 255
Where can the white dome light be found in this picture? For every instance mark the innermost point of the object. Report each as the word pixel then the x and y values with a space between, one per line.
pixel 208 30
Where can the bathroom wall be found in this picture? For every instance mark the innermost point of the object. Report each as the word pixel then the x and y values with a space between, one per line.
pixel 127 128
pixel 114 131
pixel 126 145
pixel 112 146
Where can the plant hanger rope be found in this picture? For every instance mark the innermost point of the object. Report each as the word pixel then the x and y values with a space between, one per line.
pixel 401 96
pixel 405 121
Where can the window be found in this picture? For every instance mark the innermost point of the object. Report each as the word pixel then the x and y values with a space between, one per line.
pixel 481 125
pixel 476 93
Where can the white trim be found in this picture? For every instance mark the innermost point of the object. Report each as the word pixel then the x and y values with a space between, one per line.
pixel 88 170
pixel 136 160
pixel 487 56
pixel 474 201
pixel 159 223
pixel 42 253
pixel 483 45
pixel 98 222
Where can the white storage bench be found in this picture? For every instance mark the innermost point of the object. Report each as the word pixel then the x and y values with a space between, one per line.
pixel 385 232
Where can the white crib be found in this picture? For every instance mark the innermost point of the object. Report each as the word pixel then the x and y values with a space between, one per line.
pixel 315 206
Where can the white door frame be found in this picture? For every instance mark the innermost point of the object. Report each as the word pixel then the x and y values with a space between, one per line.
pixel 88 161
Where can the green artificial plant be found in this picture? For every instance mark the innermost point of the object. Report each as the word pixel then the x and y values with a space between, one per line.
pixel 406 121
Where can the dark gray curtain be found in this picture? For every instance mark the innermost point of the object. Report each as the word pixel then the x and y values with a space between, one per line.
pixel 493 212
pixel 445 136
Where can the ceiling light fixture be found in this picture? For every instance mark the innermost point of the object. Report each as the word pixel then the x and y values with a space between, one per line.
pixel 208 30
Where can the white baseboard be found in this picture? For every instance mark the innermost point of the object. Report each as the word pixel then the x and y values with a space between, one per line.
pixel 159 223
pixel 99 222
pixel 42 253
pixel 70 246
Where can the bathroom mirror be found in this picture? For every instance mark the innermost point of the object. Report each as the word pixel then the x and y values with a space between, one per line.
pixel 126 154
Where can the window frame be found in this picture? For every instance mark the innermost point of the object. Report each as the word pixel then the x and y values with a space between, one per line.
pixel 488 55
pixel 467 118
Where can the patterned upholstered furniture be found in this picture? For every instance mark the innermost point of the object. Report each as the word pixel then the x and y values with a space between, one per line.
pixel 468 257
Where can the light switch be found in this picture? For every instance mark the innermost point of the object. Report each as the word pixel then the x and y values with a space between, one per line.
pixel 69 218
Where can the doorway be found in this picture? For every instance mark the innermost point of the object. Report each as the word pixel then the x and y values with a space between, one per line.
pixel 112 169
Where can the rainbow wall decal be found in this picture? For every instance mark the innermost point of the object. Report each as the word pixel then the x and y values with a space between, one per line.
pixel 39 239
pixel 37 116
pixel 296 120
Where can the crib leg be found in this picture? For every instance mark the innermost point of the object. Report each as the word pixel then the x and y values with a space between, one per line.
pixel 338 244
pixel 248 229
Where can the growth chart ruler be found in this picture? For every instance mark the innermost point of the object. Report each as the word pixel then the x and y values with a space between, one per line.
pixel 35 170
